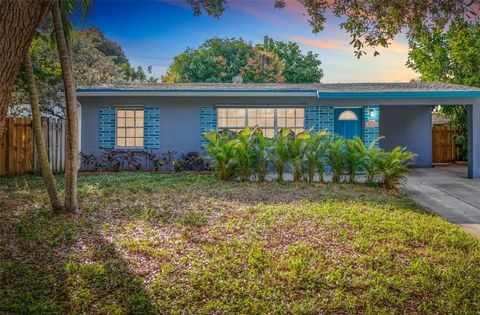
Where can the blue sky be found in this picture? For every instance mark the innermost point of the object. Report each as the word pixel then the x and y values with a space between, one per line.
pixel 153 32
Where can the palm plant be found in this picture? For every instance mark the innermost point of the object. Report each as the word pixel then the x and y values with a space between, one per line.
pixel 62 15
pixel 45 167
pixel 261 147
pixel 336 157
pixel 354 149
pixel 311 155
pixel 393 165
pixel 315 154
pixel 297 147
pixel 322 150
pixel 371 160
pixel 280 153
pixel 245 153
pixel 222 150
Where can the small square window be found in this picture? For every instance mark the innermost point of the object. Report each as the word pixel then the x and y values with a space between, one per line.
pixel 130 126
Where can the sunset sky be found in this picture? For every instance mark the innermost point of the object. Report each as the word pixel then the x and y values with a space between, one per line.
pixel 153 32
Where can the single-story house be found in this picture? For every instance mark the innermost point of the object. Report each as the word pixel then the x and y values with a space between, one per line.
pixel 162 117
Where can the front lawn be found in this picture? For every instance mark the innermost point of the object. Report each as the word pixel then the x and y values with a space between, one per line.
pixel 177 243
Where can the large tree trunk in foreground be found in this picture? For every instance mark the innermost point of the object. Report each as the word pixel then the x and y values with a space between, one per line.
pixel 46 170
pixel 71 137
pixel 18 21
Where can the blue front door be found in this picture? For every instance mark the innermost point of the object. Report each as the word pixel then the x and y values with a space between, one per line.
pixel 348 122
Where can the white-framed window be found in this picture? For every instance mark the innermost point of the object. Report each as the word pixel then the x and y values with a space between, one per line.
pixel 269 119
pixel 129 127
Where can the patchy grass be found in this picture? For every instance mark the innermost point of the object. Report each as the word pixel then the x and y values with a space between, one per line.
pixel 174 243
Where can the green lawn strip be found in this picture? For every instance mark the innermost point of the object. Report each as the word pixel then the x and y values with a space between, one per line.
pixel 185 243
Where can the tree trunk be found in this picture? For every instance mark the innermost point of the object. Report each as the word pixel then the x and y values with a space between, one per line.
pixel 71 135
pixel 18 22
pixel 46 170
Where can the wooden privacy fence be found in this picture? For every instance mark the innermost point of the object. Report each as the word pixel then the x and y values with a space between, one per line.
pixel 17 146
pixel 444 149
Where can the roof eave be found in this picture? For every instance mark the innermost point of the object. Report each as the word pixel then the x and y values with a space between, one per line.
pixel 197 93
pixel 390 95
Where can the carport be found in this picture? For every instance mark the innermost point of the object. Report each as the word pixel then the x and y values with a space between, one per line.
pixel 405 113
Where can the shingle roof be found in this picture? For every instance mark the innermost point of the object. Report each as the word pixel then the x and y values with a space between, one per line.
pixel 320 87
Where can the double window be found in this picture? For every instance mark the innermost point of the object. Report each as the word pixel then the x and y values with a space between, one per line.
pixel 269 120
pixel 129 123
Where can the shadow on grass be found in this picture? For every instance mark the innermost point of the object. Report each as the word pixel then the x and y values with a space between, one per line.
pixel 60 263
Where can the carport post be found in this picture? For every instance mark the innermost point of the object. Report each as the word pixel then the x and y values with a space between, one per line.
pixel 474 140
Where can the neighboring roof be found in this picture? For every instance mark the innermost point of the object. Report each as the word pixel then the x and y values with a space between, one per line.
pixel 321 90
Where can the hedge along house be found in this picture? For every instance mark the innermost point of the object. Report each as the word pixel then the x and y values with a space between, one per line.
pixel 164 117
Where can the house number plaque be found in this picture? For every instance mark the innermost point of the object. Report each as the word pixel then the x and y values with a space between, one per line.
pixel 371 124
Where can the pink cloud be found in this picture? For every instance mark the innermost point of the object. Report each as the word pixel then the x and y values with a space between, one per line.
pixel 316 43
pixel 294 6
pixel 395 46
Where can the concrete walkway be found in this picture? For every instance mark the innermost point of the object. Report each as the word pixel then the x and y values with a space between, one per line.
pixel 448 192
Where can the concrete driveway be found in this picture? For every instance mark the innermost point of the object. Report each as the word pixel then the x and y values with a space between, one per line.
pixel 448 192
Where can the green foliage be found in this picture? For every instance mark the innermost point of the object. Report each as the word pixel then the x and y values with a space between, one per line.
pixel 299 67
pixel 245 153
pixel 315 154
pixel 371 160
pixel 369 23
pixel 297 147
pixel 354 156
pixel 280 154
pixel 96 60
pixel 221 148
pixel 263 67
pixel 261 147
pixel 337 157
pixel 249 153
pixel 216 60
pixel 449 54
pixel 220 60
pixel 393 165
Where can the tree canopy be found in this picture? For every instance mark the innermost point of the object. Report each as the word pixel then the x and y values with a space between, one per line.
pixel 370 23
pixel 449 55
pixel 220 60
pixel 96 60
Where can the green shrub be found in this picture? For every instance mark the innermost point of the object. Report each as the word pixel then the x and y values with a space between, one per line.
pixel 261 147
pixel 371 160
pixel 354 155
pixel 315 154
pixel 337 157
pixel 248 153
pixel 221 147
pixel 297 147
pixel 245 153
pixel 280 154
pixel 393 165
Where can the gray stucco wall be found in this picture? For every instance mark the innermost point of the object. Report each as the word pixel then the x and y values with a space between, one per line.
pixel 408 126
pixel 179 123
pixel 179 118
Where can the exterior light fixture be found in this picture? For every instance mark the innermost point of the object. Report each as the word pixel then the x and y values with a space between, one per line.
pixel 371 112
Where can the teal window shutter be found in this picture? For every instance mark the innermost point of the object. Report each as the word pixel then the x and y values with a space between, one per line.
pixel 151 130
pixel 106 127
